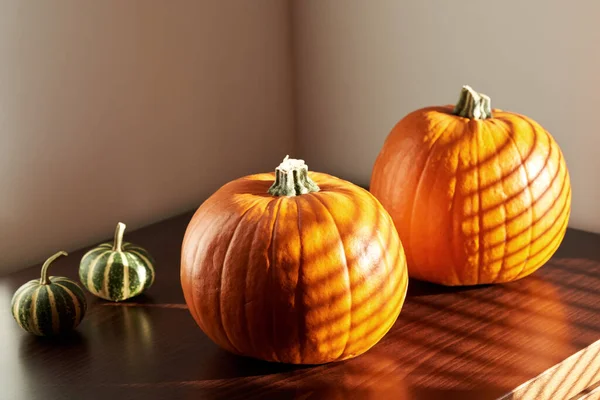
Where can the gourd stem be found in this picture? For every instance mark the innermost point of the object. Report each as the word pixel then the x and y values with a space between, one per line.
pixel 291 179
pixel 118 243
pixel 44 279
pixel 473 105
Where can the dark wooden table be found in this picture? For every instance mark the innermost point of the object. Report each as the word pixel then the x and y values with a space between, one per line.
pixel 471 343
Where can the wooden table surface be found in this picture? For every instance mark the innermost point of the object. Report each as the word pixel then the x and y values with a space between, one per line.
pixel 471 343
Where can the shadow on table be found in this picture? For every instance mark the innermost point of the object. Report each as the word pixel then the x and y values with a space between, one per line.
pixel 51 362
pixel 418 288
pixel 373 375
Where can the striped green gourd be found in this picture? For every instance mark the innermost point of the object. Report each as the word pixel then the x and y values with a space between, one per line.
pixel 117 271
pixel 49 305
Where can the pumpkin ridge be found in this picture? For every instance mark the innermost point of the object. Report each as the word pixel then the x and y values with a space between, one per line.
pixel 525 188
pixel 125 289
pixel 104 285
pixel 43 311
pixel 221 332
pixel 531 207
pixel 566 182
pixel 66 318
pixel 19 295
pixel 33 311
pixel 533 202
pixel 298 305
pixel 564 209
pixel 543 215
pixel 452 225
pixel 271 260
pixel 480 224
pixel 17 310
pixel 400 303
pixel 384 260
pixel 415 196
pixel 225 264
pixel 53 313
pixel 207 207
pixel 73 287
pixel 562 231
pixel 362 303
pixel 504 200
pixel 563 214
pixel 83 274
pixel 216 319
pixel 73 298
pixel 90 275
pixel 347 268
pixel 203 229
pixel 396 306
pixel 27 316
pixel 437 174
pixel 139 272
pixel 146 263
pixel 401 278
pixel 245 302
pixel 557 237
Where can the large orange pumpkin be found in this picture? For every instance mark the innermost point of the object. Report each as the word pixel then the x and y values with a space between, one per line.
pixel 477 195
pixel 296 267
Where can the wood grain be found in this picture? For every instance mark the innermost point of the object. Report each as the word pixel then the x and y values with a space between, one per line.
pixel 448 343
pixel 572 377
pixel 591 393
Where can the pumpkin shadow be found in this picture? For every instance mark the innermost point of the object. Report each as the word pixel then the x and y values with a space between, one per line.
pixel 418 288
pixel 231 365
pixel 247 378
pixel 373 375
pixel 69 341
pixel 142 298
pixel 53 363
pixel 129 336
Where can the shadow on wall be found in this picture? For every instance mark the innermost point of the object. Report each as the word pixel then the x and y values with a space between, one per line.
pixel 138 122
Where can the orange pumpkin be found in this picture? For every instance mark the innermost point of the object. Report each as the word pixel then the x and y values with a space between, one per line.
pixel 306 270
pixel 478 195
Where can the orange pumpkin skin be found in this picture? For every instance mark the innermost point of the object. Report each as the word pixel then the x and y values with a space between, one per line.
pixel 474 201
pixel 304 279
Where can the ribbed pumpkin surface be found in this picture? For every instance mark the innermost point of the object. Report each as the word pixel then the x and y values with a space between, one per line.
pixel 307 279
pixel 474 201
pixel 117 275
pixel 49 309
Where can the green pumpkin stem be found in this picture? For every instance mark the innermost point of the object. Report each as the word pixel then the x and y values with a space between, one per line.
pixel 118 243
pixel 291 179
pixel 44 280
pixel 473 105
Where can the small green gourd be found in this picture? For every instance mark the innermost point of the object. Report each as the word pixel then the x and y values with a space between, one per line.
pixel 117 270
pixel 50 305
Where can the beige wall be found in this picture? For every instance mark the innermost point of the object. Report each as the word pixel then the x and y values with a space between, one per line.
pixel 137 110
pixel 363 65
pixel 133 111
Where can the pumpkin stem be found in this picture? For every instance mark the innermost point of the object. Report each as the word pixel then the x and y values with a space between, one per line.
pixel 291 179
pixel 44 279
pixel 473 105
pixel 118 242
